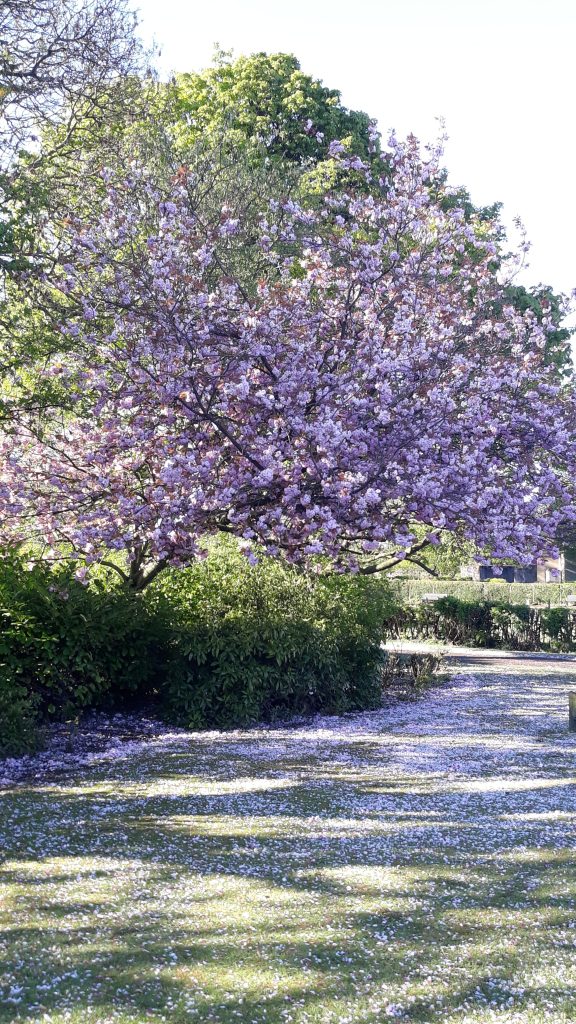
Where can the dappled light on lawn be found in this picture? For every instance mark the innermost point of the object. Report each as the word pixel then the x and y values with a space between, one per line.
pixel 414 863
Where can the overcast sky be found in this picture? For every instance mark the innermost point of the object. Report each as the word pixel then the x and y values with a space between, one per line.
pixel 500 72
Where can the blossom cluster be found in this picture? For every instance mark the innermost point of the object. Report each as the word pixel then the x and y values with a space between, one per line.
pixel 373 377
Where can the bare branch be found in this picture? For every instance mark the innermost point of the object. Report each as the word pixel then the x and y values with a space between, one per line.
pixel 57 58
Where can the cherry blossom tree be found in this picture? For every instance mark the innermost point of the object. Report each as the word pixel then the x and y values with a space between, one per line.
pixel 372 379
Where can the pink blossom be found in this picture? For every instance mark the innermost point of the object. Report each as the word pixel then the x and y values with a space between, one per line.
pixel 327 412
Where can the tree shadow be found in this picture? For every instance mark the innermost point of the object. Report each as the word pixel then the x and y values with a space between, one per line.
pixel 320 883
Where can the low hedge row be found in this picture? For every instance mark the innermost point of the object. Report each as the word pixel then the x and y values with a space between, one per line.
pixel 220 644
pixel 489 624
pixel 498 591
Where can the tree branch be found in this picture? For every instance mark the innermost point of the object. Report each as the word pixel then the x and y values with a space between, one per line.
pixel 371 568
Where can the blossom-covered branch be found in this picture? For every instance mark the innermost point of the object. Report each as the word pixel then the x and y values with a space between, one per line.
pixel 372 380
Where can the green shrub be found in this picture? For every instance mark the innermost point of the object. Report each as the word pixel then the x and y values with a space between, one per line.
pixel 267 641
pixel 18 705
pixel 489 624
pixel 219 644
pixel 67 647
pixel 559 626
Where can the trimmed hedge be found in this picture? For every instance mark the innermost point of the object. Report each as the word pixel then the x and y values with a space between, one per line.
pixel 489 624
pixel 551 594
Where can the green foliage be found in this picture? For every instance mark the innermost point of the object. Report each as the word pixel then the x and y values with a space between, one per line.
pixel 18 704
pixel 220 644
pixel 550 594
pixel 261 642
pixel 490 624
pixel 65 647
pixel 560 625
pixel 266 99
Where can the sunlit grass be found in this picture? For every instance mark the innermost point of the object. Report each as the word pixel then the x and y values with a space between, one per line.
pixel 335 878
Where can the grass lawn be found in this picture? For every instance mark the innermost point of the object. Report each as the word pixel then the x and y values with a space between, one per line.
pixel 416 863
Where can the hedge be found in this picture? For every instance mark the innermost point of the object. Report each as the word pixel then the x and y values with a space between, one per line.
pixel 409 592
pixel 489 624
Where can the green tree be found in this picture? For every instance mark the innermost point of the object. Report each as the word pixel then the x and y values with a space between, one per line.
pixel 59 60
pixel 267 100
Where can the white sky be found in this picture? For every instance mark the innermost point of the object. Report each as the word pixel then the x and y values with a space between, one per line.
pixel 502 73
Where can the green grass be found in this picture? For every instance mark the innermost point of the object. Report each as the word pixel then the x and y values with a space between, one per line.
pixel 297 878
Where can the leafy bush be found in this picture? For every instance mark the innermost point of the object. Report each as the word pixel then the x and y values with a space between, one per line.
pixel 220 644
pixel 559 625
pixel 262 642
pixel 65 647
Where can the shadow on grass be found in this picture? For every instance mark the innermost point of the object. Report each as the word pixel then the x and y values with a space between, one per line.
pixel 310 887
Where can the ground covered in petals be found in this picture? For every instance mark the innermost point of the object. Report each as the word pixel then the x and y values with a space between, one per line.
pixel 415 863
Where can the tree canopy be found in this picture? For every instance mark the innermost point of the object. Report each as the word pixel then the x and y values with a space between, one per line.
pixel 65 67
pixel 267 100
pixel 57 59
pixel 193 339
pixel 375 378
